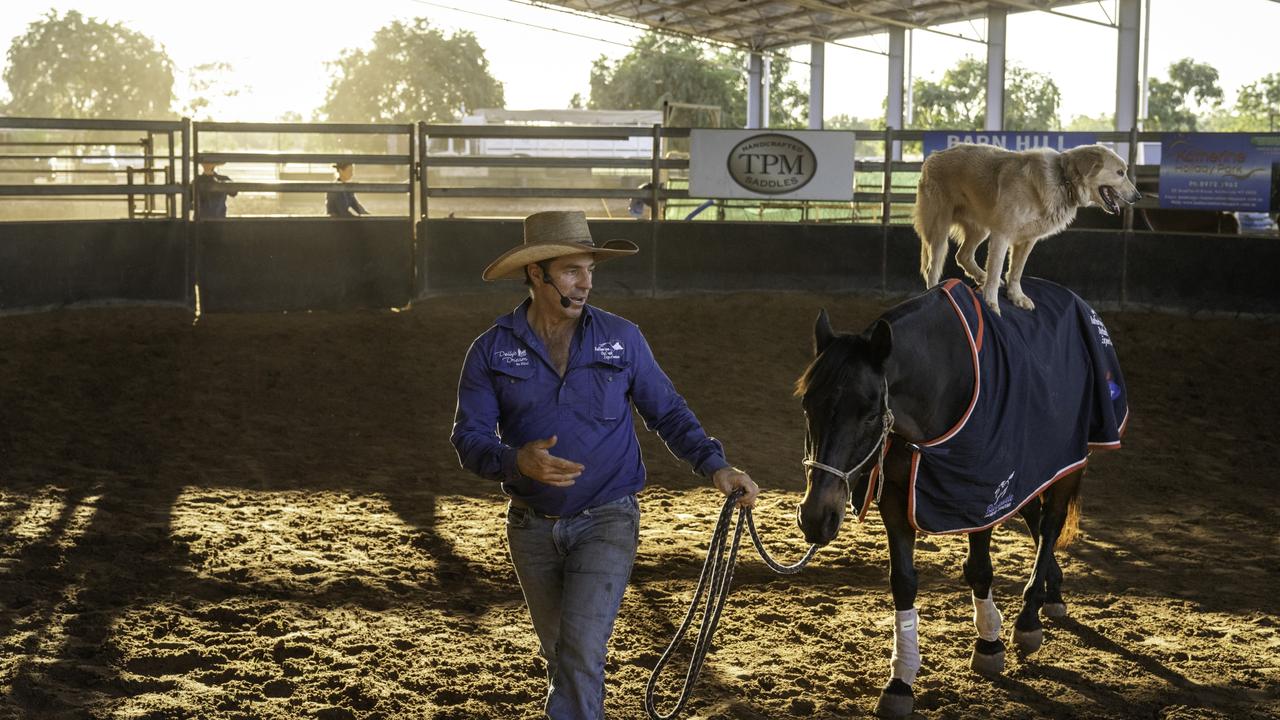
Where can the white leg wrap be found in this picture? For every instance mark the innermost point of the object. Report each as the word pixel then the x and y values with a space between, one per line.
pixel 987 617
pixel 906 646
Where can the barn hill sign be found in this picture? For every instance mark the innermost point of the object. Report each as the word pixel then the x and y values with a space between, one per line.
pixel 771 164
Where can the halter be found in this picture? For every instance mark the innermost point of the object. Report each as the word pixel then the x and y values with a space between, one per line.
pixel 881 446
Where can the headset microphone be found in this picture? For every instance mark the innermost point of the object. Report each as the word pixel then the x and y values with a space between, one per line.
pixel 564 301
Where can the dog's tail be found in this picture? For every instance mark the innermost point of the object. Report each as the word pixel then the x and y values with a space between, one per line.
pixel 932 220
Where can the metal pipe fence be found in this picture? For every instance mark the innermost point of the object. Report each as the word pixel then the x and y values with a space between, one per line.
pixel 475 170
pixel 392 133
pixel 59 167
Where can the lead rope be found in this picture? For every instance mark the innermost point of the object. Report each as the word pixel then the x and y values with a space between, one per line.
pixel 717 570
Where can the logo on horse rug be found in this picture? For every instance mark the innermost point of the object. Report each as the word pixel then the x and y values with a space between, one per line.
pixel 1047 386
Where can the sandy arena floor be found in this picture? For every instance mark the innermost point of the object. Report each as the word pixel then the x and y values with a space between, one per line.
pixel 261 517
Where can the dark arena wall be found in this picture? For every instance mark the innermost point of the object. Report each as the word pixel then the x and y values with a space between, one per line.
pixel 271 264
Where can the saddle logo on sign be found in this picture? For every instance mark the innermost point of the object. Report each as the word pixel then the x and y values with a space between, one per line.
pixel 1002 499
pixel 772 164
pixel 513 358
pixel 609 350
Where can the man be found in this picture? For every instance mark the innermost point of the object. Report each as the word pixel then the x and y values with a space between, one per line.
pixel 343 203
pixel 211 200
pixel 557 378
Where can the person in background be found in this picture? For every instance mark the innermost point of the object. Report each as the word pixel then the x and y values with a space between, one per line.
pixel 544 408
pixel 211 200
pixel 343 203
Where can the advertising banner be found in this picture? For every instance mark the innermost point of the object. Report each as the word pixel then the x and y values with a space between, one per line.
pixel 764 164
pixel 1220 171
pixel 943 139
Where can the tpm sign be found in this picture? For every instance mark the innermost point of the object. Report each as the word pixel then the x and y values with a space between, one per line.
pixel 801 165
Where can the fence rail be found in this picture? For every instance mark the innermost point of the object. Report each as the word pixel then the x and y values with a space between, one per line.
pixel 496 161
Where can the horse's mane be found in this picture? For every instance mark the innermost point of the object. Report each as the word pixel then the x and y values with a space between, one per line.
pixel 826 367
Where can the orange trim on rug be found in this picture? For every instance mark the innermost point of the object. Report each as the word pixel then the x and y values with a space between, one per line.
pixel 977 373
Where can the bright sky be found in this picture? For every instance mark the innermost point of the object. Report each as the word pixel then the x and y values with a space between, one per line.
pixel 278 49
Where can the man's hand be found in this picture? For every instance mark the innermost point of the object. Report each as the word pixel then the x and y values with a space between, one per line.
pixel 728 479
pixel 536 463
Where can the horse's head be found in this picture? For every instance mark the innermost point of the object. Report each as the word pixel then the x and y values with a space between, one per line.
pixel 844 395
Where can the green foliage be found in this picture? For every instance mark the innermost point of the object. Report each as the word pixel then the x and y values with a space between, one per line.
pixel 1031 101
pixel 73 67
pixel 412 72
pixel 1258 104
pixel 209 83
pixel 662 67
pixel 955 101
pixel 849 122
pixel 959 99
pixel 1105 122
pixel 1173 105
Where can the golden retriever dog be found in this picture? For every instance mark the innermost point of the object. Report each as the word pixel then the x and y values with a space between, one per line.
pixel 1016 199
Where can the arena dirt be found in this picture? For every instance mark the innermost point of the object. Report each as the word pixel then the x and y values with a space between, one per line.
pixel 260 516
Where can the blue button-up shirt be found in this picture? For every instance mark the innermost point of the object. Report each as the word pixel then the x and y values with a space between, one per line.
pixel 510 394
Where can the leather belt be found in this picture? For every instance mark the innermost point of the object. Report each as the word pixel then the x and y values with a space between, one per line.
pixel 517 502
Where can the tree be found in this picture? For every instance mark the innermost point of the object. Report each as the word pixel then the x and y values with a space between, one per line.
pixel 412 72
pixel 209 84
pixel 663 67
pixel 850 122
pixel 1104 122
pixel 1259 103
pixel 70 66
pixel 1173 105
pixel 959 99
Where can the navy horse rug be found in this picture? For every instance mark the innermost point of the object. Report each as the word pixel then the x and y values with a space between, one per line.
pixel 1047 386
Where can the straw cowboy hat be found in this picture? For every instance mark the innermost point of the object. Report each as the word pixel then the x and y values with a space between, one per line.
pixel 554 234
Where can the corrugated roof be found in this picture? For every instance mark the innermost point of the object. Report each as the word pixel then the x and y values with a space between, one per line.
pixel 767 24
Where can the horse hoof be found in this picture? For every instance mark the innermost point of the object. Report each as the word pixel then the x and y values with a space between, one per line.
pixel 1054 610
pixel 1028 641
pixel 896 700
pixel 992 664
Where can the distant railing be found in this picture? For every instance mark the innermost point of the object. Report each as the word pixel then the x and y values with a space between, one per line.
pixel 480 162
pixel 655 163
pixel 50 162
pixel 279 158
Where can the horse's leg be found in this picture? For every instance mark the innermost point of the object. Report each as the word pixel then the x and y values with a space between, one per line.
pixel 897 699
pixel 1054 605
pixel 1028 633
pixel 988 652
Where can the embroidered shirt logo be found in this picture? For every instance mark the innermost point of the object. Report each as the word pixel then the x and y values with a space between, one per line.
pixel 1104 338
pixel 609 350
pixel 513 358
pixel 1002 499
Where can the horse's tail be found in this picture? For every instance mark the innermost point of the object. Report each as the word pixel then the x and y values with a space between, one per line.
pixel 1071 526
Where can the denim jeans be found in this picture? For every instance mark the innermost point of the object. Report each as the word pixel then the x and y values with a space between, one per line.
pixel 573 572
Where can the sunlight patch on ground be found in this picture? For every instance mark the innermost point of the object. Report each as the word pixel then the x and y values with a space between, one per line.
pixel 42 515
pixel 302 541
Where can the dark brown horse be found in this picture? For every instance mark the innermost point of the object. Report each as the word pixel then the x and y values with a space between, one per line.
pixel 870 401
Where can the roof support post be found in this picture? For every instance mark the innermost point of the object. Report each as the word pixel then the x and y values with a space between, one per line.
pixel 817 82
pixel 755 90
pixel 897 68
pixel 766 77
pixel 995 67
pixel 1130 20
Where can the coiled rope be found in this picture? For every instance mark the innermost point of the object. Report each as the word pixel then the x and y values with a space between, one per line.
pixel 718 571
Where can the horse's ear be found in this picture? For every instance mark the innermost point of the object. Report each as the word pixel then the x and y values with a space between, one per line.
pixel 881 342
pixel 822 333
